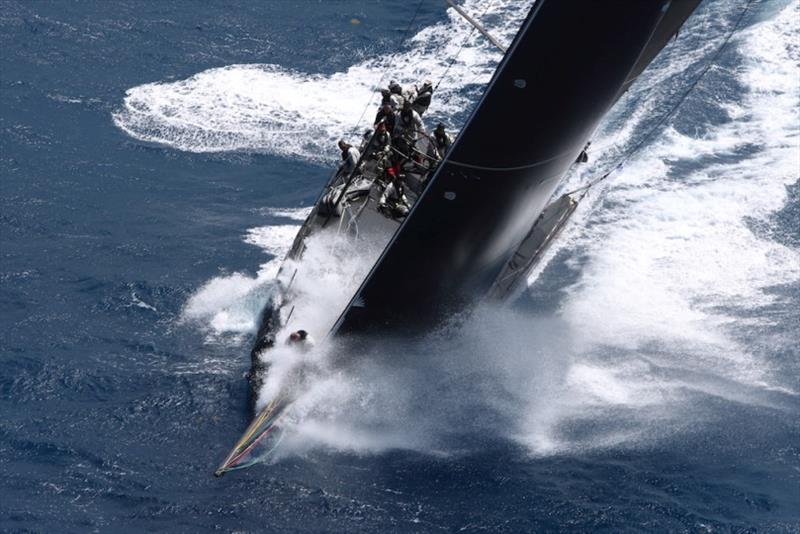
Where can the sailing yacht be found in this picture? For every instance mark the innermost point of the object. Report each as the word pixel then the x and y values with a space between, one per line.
pixel 443 231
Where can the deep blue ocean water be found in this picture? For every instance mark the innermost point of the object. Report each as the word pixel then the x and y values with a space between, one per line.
pixel 649 381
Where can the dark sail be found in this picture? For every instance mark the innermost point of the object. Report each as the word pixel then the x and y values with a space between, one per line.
pixel 569 63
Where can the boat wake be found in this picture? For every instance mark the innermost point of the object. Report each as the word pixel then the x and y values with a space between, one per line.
pixel 273 110
pixel 658 292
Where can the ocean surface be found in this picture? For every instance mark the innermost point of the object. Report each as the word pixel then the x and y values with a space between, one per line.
pixel 156 159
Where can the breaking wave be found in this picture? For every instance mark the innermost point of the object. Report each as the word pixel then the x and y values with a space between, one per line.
pixel 228 307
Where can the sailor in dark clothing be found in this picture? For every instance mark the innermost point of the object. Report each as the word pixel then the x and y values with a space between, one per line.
pixel 386 98
pixel 362 148
pixel 396 94
pixel 409 123
pixel 423 99
pixel 442 139
pixel 387 116
pixel 380 142
pixel 583 157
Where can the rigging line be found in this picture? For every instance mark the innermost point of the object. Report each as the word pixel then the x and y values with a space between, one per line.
pixel 391 62
pixel 585 189
pixel 569 153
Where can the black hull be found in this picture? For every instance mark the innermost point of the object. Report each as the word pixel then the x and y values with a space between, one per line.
pixel 478 227
pixel 265 339
pixel 567 66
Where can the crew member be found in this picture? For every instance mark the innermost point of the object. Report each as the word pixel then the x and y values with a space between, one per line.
pixel 379 142
pixel 396 94
pixel 393 201
pixel 583 157
pixel 443 140
pixel 362 148
pixel 350 157
pixel 409 95
pixel 301 339
pixel 423 99
pixel 387 116
pixel 386 98
pixel 409 123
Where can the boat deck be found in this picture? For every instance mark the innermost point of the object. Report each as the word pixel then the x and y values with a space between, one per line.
pixel 358 211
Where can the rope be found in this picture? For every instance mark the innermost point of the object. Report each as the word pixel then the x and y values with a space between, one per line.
pixel 585 189
pixel 569 153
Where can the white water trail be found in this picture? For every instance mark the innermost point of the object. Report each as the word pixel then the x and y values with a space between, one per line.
pixel 669 265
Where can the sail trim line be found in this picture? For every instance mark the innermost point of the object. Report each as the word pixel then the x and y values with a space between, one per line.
pixel 570 153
